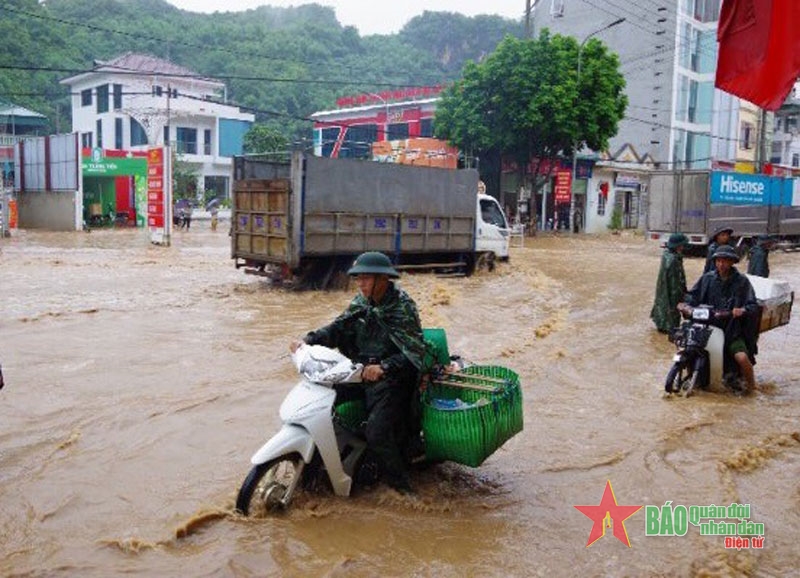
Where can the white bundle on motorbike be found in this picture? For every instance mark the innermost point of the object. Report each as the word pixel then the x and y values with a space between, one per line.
pixel 325 365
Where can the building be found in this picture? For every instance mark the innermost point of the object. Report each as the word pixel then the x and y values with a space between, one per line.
pixel 668 55
pixel 138 101
pixel 676 118
pixel 391 126
pixel 786 138
pixel 16 123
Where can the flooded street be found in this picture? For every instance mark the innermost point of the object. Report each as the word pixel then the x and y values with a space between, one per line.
pixel 140 380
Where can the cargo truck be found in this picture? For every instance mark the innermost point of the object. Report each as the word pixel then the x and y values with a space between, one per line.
pixel 308 218
pixel 698 202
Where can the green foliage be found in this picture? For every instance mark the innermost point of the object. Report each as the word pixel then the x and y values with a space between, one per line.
pixel 616 220
pixel 184 179
pixel 526 101
pixel 288 62
pixel 264 139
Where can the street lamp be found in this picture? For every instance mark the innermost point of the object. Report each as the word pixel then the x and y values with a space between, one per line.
pixel 575 148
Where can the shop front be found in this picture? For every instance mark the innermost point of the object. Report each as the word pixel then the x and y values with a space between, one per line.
pixel 114 188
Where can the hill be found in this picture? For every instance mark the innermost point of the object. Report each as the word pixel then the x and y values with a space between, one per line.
pixel 285 63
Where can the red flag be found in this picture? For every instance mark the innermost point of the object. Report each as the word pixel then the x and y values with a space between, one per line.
pixel 759 50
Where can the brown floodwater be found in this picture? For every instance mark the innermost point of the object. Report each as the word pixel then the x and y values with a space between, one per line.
pixel 140 379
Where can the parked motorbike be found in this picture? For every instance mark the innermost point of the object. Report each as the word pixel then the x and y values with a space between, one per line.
pixel 313 445
pixel 700 360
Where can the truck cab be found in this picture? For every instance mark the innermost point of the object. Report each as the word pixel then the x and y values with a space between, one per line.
pixel 491 228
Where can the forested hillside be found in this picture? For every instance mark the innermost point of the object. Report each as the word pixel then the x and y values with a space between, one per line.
pixel 284 62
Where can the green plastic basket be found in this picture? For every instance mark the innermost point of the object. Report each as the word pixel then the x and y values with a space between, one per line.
pixel 493 414
pixel 436 340
pixel 352 413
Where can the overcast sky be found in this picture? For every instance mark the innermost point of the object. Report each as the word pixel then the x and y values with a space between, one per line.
pixel 372 16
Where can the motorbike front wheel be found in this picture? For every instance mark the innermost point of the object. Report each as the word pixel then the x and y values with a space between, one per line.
pixel 270 485
pixel 682 378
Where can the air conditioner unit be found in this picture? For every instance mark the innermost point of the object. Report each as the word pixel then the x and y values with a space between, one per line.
pixel 556 8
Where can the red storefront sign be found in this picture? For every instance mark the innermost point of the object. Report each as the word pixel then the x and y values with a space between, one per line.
pixel 563 188
pixel 155 188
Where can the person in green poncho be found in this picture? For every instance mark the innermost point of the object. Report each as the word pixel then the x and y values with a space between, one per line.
pixel 670 285
pixel 758 260
pixel 382 330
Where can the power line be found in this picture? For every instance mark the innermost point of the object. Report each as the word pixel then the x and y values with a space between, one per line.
pixel 131 72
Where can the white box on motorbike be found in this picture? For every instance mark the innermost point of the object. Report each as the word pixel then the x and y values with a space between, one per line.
pixel 776 298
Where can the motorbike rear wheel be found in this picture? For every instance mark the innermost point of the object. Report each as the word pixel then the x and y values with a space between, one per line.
pixel 270 486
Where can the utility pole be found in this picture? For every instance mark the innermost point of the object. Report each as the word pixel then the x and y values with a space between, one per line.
pixel 528 30
pixel 571 223
pixel 168 177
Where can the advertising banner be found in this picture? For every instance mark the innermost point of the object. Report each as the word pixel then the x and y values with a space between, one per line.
pixel 563 188
pixel 745 189
pixel 156 207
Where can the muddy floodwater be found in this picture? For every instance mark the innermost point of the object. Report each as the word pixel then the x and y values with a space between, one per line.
pixel 140 380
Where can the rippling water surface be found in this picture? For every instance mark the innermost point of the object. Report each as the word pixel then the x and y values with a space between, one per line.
pixel 140 379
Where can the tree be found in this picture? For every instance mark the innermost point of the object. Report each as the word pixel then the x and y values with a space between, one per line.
pixel 184 179
pixel 264 139
pixel 526 102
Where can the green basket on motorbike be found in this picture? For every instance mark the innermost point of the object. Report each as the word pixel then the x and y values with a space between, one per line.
pixel 436 342
pixel 468 415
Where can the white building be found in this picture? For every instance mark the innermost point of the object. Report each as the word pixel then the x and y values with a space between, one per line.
pixel 786 138
pixel 137 101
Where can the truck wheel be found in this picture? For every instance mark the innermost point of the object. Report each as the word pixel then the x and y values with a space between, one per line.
pixel 485 261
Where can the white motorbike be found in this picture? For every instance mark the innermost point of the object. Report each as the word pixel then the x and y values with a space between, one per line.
pixel 700 359
pixel 310 444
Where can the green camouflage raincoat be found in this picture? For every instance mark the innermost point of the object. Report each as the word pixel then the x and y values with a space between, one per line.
pixel 389 332
pixel 670 290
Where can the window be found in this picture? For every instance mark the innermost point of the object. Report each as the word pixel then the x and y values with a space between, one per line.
pixel 138 135
pixel 186 140
pixel 157 91
pixel 601 204
pixel 86 140
pixel 99 133
pixel 702 10
pixel 491 214
pixel 102 98
pixel 117 96
pixel 602 198
pixel 426 127
pixel 215 187
pixel 746 136
pixel 207 141
pixel 329 136
pixel 118 134
pixel 397 131
pixel 795 160
pixel 357 141
pixel 86 97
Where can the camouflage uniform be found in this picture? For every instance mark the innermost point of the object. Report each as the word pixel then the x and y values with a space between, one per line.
pixel 758 261
pixel 736 291
pixel 388 333
pixel 670 290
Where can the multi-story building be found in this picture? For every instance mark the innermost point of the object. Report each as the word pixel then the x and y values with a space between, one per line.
pixel 786 138
pixel 668 56
pixel 137 101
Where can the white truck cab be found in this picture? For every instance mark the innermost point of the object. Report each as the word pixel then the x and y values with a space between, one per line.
pixel 491 228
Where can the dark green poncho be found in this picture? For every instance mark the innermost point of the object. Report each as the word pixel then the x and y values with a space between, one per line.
pixel 670 290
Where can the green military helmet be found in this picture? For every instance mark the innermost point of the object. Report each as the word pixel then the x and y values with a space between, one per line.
pixel 677 240
pixel 372 263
